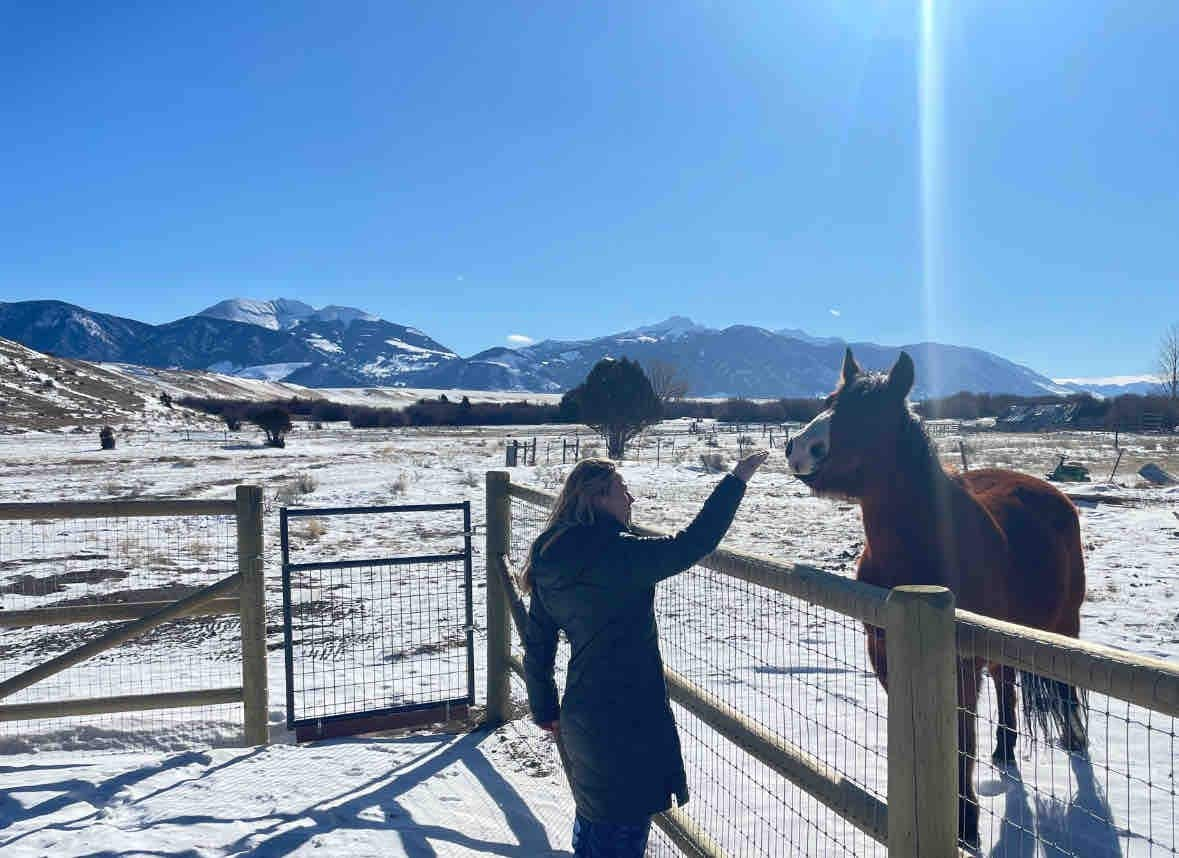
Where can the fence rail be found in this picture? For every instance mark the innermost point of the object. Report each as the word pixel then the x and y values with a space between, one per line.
pixel 927 640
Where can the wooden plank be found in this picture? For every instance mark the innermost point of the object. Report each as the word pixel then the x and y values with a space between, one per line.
pixel 253 612
pixel 849 800
pixel 114 509
pixel 105 611
pixel 692 840
pixel 116 636
pixel 126 703
pixel 310 731
pixel 1142 680
pixel 922 723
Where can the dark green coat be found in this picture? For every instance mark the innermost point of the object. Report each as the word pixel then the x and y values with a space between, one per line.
pixel 597 583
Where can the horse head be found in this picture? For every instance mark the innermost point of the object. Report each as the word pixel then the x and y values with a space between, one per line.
pixel 858 434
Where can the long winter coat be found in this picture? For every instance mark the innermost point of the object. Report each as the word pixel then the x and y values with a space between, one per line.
pixel 597 583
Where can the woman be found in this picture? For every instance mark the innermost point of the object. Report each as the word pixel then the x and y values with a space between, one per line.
pixel 592 577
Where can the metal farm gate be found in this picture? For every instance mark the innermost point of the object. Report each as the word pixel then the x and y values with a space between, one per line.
pixel 379 641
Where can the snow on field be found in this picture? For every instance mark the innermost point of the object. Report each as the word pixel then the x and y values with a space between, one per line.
pixel 798 670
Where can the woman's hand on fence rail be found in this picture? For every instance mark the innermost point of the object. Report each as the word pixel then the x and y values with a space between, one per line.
pixel 748 466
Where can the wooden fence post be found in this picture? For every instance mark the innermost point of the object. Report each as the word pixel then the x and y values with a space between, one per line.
pixel 922 723
pixel 255 689
pixel 499 632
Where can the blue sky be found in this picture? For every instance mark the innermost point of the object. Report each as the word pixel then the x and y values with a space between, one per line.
pixel 571 169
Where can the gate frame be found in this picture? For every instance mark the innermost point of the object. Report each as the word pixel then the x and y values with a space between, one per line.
pixel 389 717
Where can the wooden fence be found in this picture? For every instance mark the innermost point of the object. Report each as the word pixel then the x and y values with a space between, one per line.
pixel 925 638
pixel 241 593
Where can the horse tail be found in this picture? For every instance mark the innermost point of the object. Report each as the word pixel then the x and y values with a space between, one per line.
pixel 1054 709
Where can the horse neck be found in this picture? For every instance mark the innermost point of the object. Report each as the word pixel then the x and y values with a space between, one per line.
pixel 903 508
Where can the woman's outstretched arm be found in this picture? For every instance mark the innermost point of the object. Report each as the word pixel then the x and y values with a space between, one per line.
pixel 642 561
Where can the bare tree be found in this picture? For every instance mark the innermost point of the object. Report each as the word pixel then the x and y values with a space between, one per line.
pixel 1168 362
pixel 666 380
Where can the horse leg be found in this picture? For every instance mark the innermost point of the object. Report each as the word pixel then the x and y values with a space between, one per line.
pixel 876 653
pixel 1003 677
pixel 968 683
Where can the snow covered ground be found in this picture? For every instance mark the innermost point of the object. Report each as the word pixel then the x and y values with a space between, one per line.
pixel 797 670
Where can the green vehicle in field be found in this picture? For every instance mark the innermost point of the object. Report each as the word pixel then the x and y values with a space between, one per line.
pixel 1069 472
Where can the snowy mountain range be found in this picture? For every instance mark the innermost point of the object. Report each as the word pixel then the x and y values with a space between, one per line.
pixel 290 341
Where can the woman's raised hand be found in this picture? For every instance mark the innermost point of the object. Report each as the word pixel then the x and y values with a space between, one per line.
pixel 748 466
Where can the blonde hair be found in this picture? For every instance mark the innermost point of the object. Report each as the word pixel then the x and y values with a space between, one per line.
pixel 589 479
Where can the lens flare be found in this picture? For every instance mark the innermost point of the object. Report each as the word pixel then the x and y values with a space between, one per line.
pixel 930 102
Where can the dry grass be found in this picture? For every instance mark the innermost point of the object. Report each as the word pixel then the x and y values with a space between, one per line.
pixel 399 484
pixel 198 550
pixel 313 529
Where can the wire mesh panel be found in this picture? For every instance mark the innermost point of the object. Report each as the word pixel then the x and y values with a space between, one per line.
pixel 796 670
pixel 88 563
pixel 377 642
pixel 1115 797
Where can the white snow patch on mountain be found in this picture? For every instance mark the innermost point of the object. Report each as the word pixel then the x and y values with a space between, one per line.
pixel 323 345
pixel 404 346
pixel 271 371
pixel 1110 379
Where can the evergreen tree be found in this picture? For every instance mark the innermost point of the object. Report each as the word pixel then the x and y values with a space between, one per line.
pixel 616 400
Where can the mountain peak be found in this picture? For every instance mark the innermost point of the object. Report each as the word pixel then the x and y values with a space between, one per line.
pixel 282 314
pixel 799 334
pixel 672 326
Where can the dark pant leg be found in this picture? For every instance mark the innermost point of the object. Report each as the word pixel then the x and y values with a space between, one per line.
pixel 607 840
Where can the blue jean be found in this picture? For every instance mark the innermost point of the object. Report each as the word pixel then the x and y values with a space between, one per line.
pixel 608 840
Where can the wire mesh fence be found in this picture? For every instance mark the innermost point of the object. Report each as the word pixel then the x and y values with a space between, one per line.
pixel 798 671
pixel 93 562
pixel 1114 795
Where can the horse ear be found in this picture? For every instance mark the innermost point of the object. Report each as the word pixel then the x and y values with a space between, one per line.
pixel 900 377
pixel 850 368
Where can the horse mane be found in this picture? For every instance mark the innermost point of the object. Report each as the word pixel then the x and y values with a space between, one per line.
pixel 916 455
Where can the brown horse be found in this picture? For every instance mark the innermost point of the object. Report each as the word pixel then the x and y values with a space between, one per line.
pixel 1007 545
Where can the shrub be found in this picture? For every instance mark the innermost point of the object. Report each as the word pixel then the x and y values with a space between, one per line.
pixel 399 485
pixel 305 483
pixel 314 528
pixel 470 479
pixel 275 421
pixel 713 463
